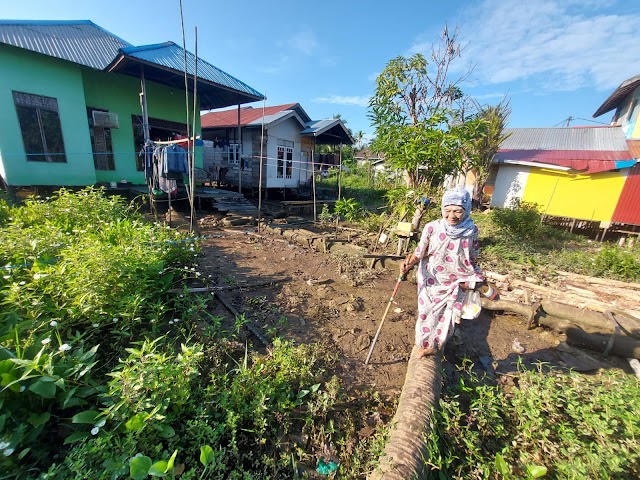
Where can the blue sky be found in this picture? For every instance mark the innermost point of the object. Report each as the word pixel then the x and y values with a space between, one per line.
pixel 554 59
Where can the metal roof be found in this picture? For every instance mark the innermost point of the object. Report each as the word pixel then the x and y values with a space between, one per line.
pixel 330 131
pixel 248 115
pixel 627 210
pixel 78 41
pixel 276 118
pixel 85 43
pixel 610 138
pixel 168 57
pixel 585 149
pixel 618 95
pixel 634 148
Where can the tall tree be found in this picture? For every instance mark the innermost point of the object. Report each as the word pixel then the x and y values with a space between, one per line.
pixel 481 150
pixel 412 111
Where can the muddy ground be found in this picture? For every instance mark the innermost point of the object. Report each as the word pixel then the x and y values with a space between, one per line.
pixel 339 301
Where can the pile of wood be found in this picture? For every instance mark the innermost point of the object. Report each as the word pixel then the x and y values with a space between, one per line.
pixel 599 314
pixel 581 291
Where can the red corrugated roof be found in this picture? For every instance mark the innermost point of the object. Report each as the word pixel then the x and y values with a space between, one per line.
pixel 634 148
pixel 587 161
pixel 628 207
pixel 229 118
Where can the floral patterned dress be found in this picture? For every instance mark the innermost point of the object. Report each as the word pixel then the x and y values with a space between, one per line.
pixel 445 262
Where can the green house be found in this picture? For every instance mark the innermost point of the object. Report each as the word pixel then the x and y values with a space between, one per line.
pixel 74 99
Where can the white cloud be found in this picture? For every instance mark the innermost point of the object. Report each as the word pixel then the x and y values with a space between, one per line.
pixel 303 41
pixel 343 100
pixel 563 45
pixel 276 67
pixel 289 51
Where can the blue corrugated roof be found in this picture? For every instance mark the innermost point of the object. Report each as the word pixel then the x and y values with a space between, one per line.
pixel 329 130
pixel 78 41
pixel 85 43
pixel 170 55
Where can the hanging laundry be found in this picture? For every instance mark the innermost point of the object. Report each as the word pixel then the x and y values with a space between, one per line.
pixel 168 186
pixel 174 160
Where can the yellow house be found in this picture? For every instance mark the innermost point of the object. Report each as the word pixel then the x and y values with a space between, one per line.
pixel 576 173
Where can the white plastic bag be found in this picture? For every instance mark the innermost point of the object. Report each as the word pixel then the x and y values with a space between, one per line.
pixel 471 305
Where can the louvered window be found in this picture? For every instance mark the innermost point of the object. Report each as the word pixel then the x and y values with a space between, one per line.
pixel 101 143
pixel 40 127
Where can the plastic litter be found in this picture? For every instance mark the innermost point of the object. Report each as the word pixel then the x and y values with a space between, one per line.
pixel 325 468
pixel 471 305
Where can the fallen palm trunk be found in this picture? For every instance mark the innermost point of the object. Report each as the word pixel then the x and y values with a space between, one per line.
pixel 591 319
pixel 620 345
pixel 527 311
pixel 405 454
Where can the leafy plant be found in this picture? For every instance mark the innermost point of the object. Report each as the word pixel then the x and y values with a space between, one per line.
pixel 349 208
pixel 551 423
pixel 522 219
pixel 325 218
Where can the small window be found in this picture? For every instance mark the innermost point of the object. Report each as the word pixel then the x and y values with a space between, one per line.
pixel 280 168
pixel 101 143
pixel 40 127
pixel 289 170
pixel 234 154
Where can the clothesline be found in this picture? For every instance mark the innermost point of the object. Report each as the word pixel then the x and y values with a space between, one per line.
pixel 180 140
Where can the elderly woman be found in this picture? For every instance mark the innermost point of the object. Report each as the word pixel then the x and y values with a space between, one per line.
pixel 447 255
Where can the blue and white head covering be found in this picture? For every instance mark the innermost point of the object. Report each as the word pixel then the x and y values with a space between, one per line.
pixel 458 196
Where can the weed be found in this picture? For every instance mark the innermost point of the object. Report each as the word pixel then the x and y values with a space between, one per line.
pixel 552 423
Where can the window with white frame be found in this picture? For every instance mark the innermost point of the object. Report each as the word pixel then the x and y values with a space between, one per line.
pixel 289 165
pixel 284 167
pixel 40 127
pixel 234 153
pixel 280 166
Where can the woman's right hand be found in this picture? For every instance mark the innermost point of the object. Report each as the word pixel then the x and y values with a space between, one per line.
pixel 403 268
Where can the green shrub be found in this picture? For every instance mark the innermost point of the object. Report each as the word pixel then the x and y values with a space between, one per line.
pixel 551 423
pixel 523 220
pixel 349 208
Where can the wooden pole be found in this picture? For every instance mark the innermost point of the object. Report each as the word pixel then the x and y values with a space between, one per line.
pixel 192 163
pixel 147 136
pixel 340 175
pixel 186 90
pixel 313 182
pixel 238 152
pixel 261 161
pixel 143 105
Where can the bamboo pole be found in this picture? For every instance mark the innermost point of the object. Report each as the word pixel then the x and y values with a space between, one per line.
pixel 313 181
pixel 238 152
pixel 192 164
pixel 261 161
pixel 186 91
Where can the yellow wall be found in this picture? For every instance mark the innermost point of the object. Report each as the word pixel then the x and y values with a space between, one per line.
pixel 587 197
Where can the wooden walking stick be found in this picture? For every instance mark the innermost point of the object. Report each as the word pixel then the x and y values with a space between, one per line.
pixel 375 339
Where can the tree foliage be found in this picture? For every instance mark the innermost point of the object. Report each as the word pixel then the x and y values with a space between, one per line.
pixel 481 150
pixel 414 115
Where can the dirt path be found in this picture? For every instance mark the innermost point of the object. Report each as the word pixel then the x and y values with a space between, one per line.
pixel 342 308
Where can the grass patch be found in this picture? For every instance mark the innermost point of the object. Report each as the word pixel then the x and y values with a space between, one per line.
pixel 549 423
pixel 105 375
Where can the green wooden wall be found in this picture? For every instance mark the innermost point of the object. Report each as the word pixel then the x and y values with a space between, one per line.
pixel 75 88
pixel 41 75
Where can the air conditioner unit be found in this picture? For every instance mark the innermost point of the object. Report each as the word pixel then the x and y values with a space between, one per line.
pixel 105 119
